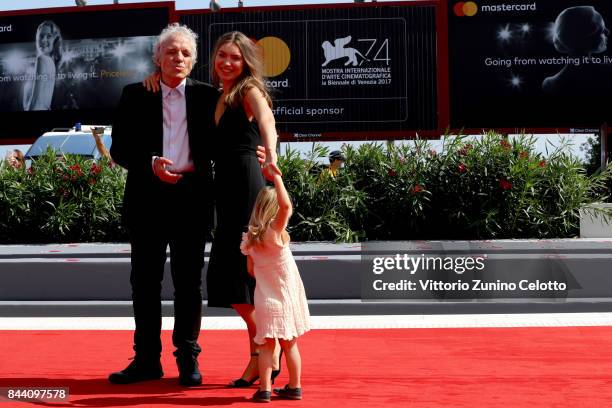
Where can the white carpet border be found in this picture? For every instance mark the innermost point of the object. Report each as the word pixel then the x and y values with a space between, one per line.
pixel 329 322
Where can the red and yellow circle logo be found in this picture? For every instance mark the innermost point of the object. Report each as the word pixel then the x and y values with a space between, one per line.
pixel 465 9
pixel 277 56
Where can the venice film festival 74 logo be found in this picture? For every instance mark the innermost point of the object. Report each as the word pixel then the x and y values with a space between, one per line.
pixel 362 62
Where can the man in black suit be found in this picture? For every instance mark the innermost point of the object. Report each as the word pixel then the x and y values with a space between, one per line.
pixel 159 138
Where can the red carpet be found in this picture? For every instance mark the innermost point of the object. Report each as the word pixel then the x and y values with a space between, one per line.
pixel 481 367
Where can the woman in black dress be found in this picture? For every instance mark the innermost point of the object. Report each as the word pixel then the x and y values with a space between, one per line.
pixel 244 120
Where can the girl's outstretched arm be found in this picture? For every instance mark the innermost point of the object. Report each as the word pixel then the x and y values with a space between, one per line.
pixel 284 202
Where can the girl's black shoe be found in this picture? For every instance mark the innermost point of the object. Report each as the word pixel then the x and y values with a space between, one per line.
pixel 289 393
pixel 262 396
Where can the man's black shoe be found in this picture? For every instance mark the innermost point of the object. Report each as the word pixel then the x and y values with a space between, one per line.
pixel 137 371
pixel 189 373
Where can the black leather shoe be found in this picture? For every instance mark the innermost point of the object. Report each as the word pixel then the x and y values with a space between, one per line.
pixel 289 393
pixel 261 396
pixel 137 371
pixel 189 373
pixel 242 383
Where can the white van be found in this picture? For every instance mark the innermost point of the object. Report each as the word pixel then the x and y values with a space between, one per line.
pixel 76 140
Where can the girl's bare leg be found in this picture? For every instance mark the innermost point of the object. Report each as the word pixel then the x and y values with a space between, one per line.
pixel 294 361
pixel 266 361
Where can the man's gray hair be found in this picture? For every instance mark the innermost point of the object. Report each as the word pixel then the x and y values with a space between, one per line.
pixel 175 29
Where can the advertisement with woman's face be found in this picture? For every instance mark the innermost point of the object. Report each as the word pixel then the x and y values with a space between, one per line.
pixel 74 61
pixel 529 63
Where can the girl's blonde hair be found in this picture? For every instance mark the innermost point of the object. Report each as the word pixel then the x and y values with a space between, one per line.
pixel 251 76
pixel 264 211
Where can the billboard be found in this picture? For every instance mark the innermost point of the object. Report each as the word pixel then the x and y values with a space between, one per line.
pixel 59 68
pixel 529 63
pixel 362 70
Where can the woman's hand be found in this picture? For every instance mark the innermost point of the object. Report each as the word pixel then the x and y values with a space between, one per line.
pixel 152 82
pixel 261 155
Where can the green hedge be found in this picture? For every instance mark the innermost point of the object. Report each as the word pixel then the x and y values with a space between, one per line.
pixel 61 199
pixel 486 188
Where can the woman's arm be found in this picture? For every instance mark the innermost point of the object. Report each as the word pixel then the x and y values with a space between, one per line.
pixel 38 94
pixel 255 105
pixel 97 133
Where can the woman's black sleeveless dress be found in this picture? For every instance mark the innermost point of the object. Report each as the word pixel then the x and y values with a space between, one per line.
pixel 238 180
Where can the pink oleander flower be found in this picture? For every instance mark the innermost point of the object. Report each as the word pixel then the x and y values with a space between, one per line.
pixel 505 184
pixel 465 149
pixel 95 169
pixel 417 188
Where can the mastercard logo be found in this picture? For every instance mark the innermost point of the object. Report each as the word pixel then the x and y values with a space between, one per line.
pixel 277 56
pixel 465 9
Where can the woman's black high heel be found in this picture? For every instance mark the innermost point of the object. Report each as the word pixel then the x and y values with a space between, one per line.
pixel 275 373
pixel 241 382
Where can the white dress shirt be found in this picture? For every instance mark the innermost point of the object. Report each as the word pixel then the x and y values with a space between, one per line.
pixel 176 138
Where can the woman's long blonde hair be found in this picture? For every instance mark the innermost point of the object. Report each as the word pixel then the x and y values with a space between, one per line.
pixel 56 47
pixel 264 211
pixel 251 72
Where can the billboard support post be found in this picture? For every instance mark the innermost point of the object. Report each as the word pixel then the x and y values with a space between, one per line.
pixel 603 137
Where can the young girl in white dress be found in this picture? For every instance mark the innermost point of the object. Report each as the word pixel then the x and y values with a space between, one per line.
pixel 281 309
